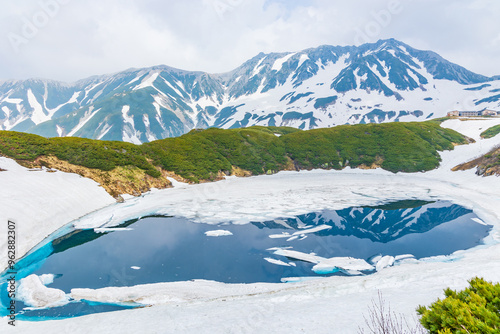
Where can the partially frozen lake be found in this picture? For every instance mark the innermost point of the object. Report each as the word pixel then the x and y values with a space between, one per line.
pixel 352 241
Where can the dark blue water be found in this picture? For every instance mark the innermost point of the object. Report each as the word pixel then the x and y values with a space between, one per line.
pixel 168 249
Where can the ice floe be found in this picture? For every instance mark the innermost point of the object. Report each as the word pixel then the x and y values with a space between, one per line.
pixel 479 221
pixel 218 233
pixel 327 266
pixel 34 293
pixel 278 262
pixel 280 236
pixel 312 258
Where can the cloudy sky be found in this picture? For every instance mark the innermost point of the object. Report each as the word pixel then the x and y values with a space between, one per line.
pixel 73 39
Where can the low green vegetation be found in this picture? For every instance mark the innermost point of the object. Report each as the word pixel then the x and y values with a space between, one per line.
pixel 491 132
pixel 475 309
pixel 439 120
pixel 201 154
pixel 408 147
pixel 204 154
pixel 103 155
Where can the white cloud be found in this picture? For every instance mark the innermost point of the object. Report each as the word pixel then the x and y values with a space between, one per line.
pixel 96 37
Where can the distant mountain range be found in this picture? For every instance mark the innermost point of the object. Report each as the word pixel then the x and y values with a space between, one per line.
pixel 319 87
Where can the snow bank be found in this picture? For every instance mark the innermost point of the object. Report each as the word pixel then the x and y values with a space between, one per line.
pixel 174 292
pixel 34 293
pixel 40 202
pixel 384 262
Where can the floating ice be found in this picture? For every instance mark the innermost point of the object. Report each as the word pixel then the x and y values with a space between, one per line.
pixel 34 293
pixel 47 279
pixel 135 268
pixel 327 266
pixel 218 233
pixel 277 248
pixel 312 258
pixel 280 236
pixel 479 221
pixel 347 264
pixel 278 262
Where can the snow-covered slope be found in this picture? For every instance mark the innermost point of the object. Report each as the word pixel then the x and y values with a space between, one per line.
pixel 319 87
pixel 335 304
pixel 39 202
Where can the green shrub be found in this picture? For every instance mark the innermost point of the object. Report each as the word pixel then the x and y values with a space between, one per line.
pixel 491 132
pixel 475 309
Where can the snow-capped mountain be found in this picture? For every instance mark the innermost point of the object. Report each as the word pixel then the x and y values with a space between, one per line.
pixel 319 87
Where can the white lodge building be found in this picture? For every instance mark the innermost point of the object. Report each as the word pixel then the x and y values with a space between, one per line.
pixel 484 112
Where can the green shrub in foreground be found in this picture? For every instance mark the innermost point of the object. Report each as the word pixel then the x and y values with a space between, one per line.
pixel 475 309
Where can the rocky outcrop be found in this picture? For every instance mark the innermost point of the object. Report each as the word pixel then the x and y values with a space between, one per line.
pixel 129 180
pixel 121 180
pixel 486 165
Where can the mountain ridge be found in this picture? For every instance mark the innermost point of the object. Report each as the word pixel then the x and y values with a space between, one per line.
pixel 313 88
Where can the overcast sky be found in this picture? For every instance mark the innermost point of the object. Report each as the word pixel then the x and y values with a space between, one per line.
pixel 73 39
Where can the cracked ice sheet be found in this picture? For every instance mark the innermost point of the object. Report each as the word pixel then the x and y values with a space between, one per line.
pixel 265 198
pixel 288 194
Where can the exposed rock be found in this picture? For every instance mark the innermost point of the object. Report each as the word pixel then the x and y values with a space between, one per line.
pixel 488 164
pixel 121 180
